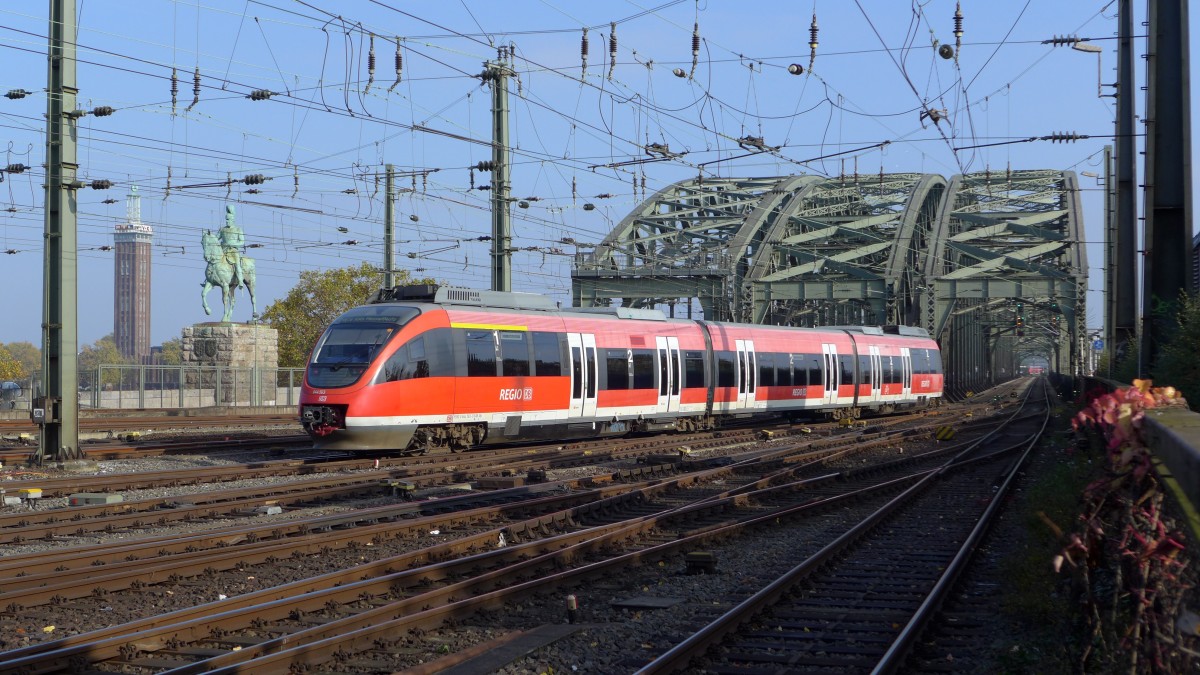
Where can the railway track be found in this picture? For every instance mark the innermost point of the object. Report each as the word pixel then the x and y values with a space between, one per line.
pixel 619 523
pixel 864 600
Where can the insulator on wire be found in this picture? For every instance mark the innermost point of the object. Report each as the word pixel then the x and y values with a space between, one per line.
pixel 260 94
pixel 1064 137
pixel 254 179
pixel 16 168
pixel 101 184
pixel 195 88
pixel 399 65
pixel 813 42
pixel 174 89
pixel 486 165
pixel 295 180
pixel 14 94
pixel 695 48
pixel 574 192
pixel 1062 40
pixel 583 53
pixel 102 111
pixel 612 48
pixel 958 29
pixel 370 65
pixel 471 172
pixel 167 192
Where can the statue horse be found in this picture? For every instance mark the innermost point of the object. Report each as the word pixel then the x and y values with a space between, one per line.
pixel 228 277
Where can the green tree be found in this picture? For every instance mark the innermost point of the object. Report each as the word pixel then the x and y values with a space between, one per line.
pixel 101 352
pixel 172 352
pixel 315 301
pixel 29 356
pixel 10 367
pixel 1177 361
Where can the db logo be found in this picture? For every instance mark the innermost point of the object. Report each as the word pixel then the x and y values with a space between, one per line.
pixel 514 394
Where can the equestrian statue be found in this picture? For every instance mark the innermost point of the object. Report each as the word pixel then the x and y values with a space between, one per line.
pixel 228 269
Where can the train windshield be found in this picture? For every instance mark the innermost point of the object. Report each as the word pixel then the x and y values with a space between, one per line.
pixel 352 341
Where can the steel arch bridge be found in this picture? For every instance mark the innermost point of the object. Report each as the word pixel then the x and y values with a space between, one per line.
pixel 962 258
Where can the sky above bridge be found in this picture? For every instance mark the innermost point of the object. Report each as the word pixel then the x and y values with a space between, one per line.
pixel 323 135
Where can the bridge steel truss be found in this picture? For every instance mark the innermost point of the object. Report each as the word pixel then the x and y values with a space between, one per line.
pixel 1007 276
pixel 957 258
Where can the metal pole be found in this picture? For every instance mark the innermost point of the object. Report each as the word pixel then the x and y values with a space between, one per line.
pixel 389 228
pixel 60 331
pixel 254 397
pixel 1110 257
pixel 497 72
pixel 1125 253
pixel 1168 201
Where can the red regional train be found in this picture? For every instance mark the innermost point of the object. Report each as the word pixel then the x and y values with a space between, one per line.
pixel 423 368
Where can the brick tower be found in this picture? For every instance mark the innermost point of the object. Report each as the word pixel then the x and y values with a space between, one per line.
pixel 131 282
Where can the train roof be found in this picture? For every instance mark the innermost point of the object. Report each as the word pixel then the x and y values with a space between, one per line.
pixel 469 297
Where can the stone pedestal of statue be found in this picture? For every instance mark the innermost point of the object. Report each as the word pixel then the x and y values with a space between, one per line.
pixel 231 358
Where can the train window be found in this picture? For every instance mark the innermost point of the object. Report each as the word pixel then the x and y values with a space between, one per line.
pixel 864 370
pixel 750 367
pixel 783 370
pixel 846 363
pixel 590 352
pixel 344 351
pixel 643 368
pixel 379 313
pixel 935 361
pixel 726 372
pixel 920 361
pixel 481 353
pixel 514 353
pixel 617 364
pixel 547 354
pixel 766 370
pixel 815 367
pixel 889 372
pixel 407 363
pixel 662 372
pixel 576 373
pixel 439 352
pixel 693 366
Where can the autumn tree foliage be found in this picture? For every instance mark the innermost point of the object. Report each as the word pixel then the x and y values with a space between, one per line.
pixel 10 367
pixel 316 300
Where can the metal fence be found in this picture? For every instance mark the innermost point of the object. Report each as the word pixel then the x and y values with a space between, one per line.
pixel 143 386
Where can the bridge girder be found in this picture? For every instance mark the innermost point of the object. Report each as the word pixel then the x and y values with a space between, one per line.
pixel 958 258
pixel 1007 245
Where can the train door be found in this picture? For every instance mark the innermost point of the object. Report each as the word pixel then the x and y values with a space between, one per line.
pixel 670 372
pixel 583 375
pixel 906 371
pixel 747 374
pixel 832 373
pixel 876 374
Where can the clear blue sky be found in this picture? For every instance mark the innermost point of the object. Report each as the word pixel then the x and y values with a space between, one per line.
pixel 324 136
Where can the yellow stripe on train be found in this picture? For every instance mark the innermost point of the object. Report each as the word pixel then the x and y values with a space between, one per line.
pixel 488 326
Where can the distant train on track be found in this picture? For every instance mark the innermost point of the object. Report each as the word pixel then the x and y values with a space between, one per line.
pixel 427 368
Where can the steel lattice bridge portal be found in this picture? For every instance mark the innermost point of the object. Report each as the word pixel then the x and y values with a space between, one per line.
pixel 991 264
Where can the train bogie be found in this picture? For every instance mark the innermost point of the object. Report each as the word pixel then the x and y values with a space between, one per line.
pixel 457 369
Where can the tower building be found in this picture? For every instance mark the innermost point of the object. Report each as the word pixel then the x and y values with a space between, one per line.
pixel 131 281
